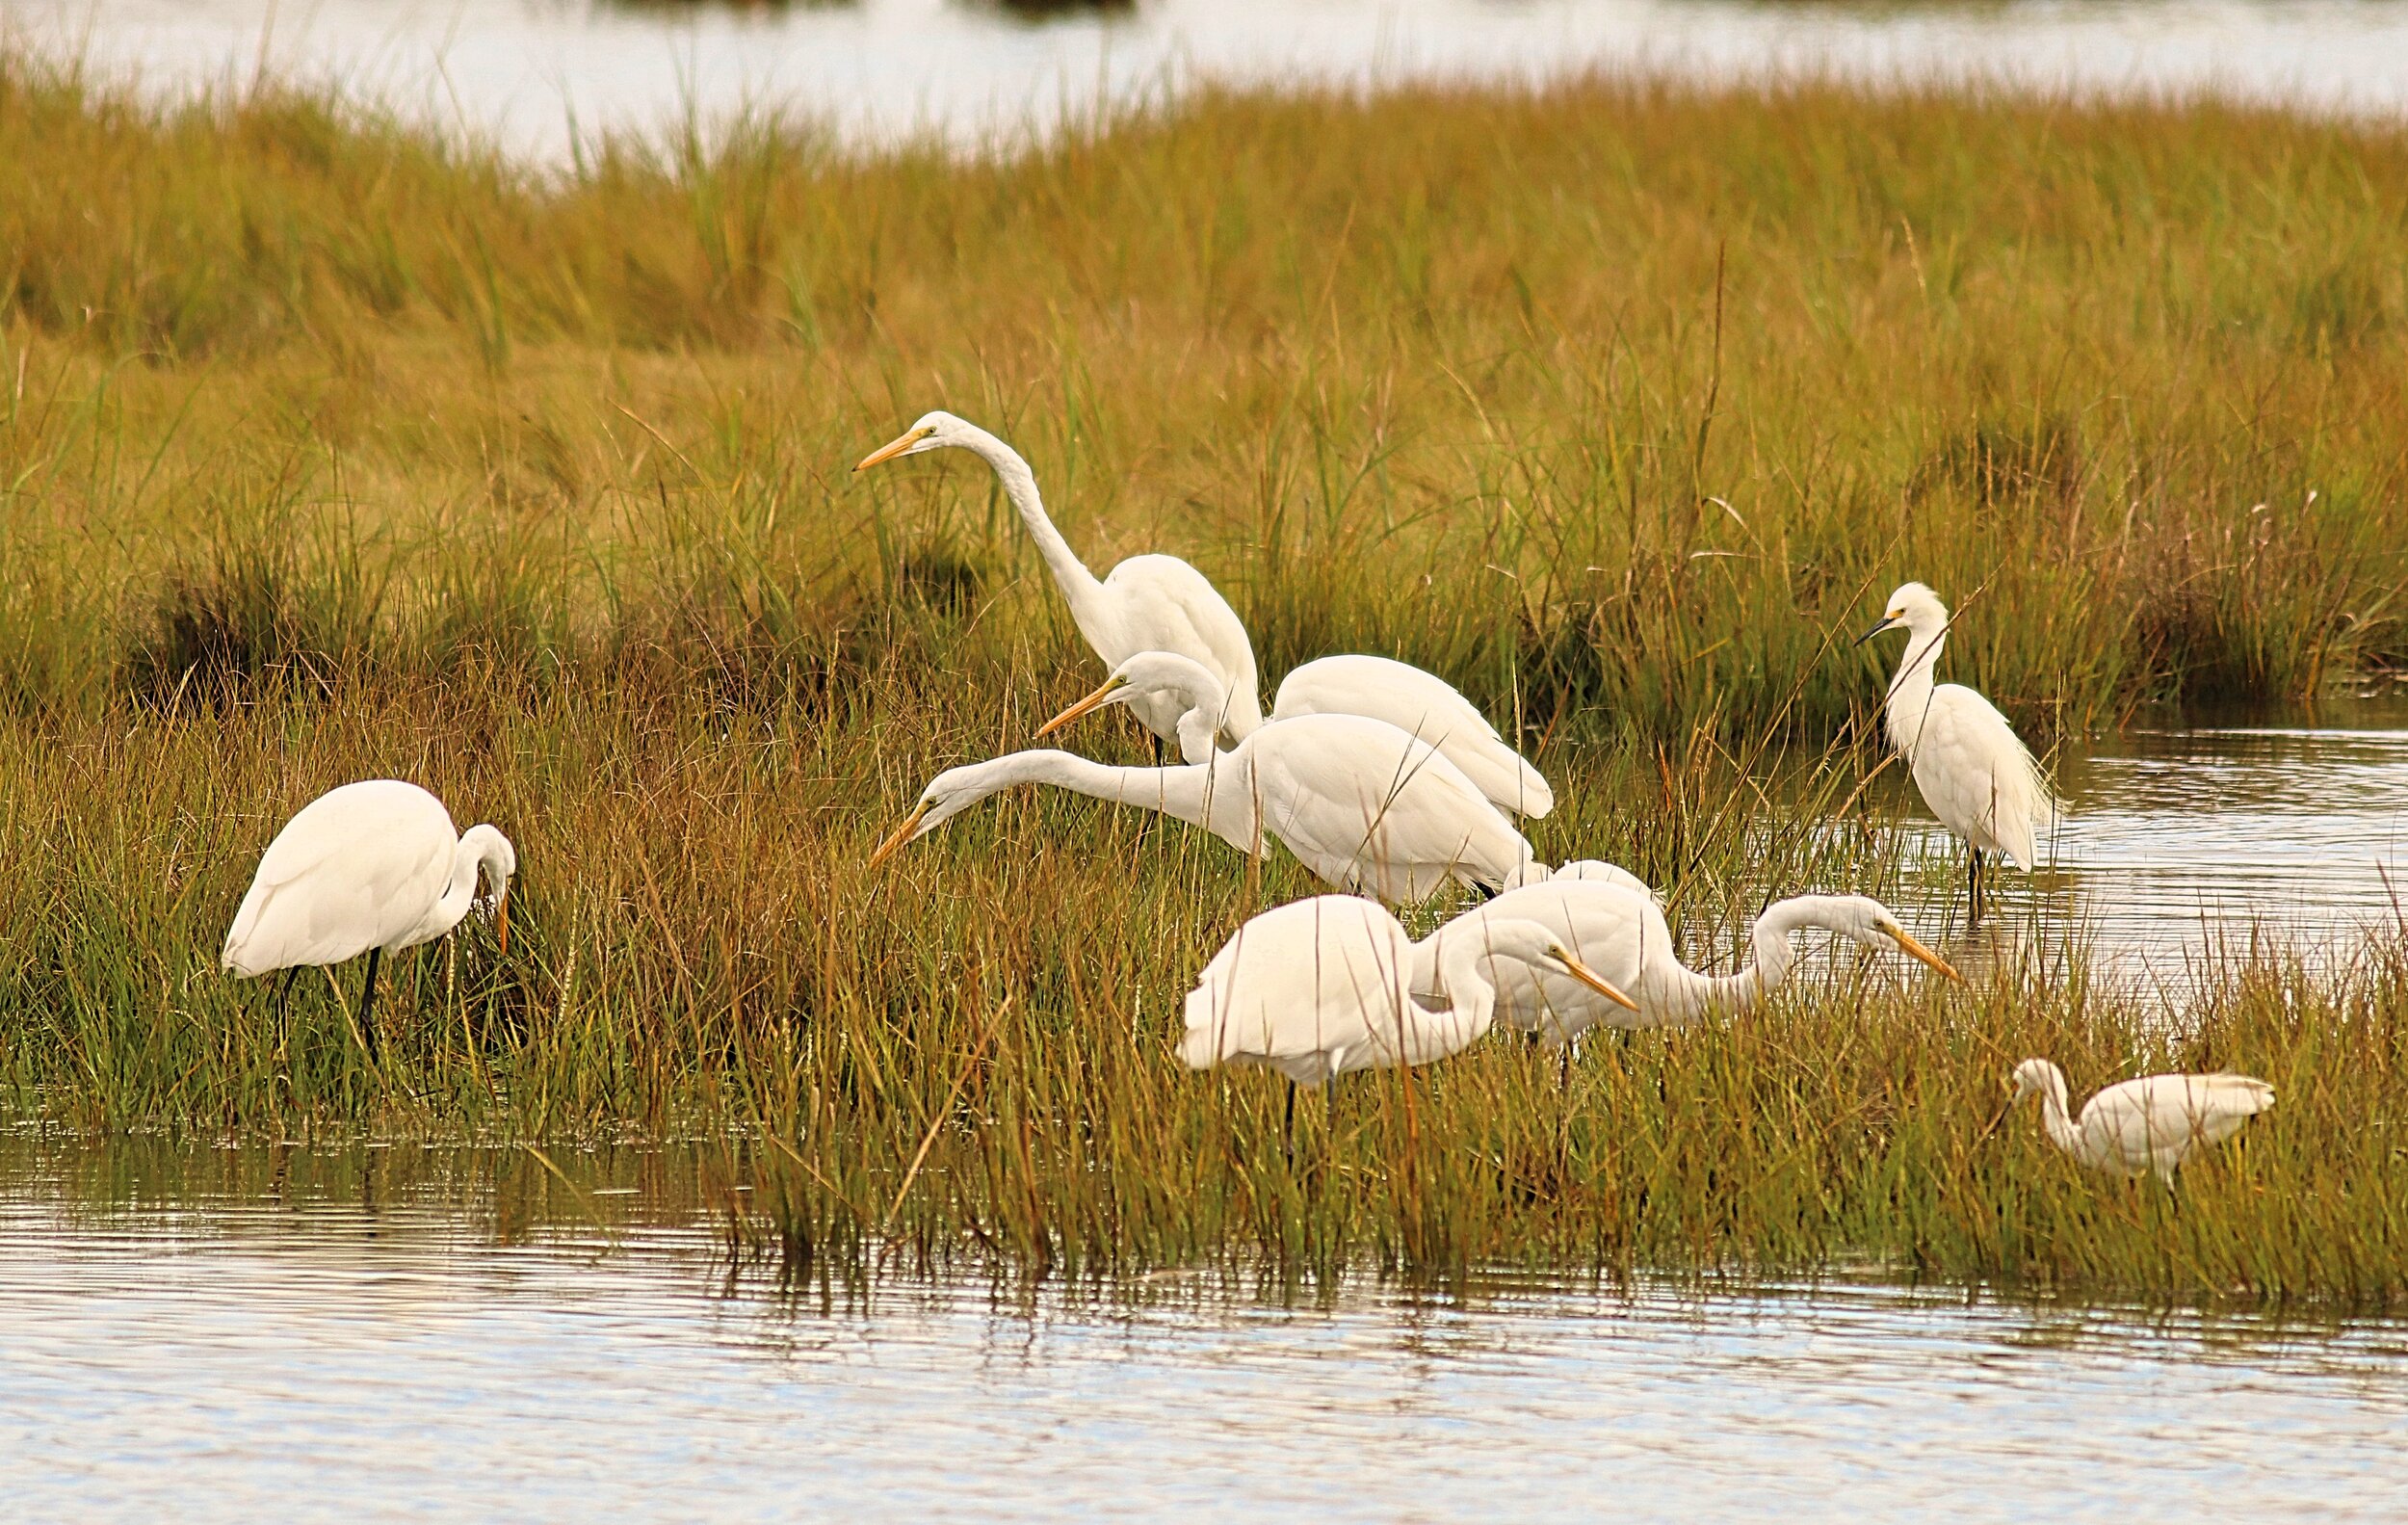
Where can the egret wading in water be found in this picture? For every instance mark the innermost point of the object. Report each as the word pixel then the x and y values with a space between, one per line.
pixel 1321 987
pixel 1416 702
pixel 1973 770
pixel 1147 603
pixel 2153 1124
pixel 364 868
pixel 1620 933
pixel 1359 803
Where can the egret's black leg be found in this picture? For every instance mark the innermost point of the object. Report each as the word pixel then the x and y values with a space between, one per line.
pixel 283 988
pixel 1973 887
pixel 1287 1126
pixel 367 1003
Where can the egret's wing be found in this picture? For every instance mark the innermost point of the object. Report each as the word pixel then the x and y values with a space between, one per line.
pixel 1421 704
pixel 356 869
pixel 1362 803
pixel 1299 987
pixel 1979 778
pixel 1166 605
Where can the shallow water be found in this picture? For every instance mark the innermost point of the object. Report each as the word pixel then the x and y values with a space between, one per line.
pixel 234 1335
pixel 534 73
pixel 2184 845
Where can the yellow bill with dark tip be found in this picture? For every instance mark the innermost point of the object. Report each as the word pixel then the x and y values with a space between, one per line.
pixel 1917 950
pixel 895 838
pixel 1111 686
pixel 1598 983
pixel 894 447
pixel 502 922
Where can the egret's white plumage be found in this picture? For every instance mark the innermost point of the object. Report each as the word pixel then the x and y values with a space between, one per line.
pixel 1412 700
pixel 1147 603
pixel 1972 769
pixel 1319 988
pixel 1358 802
pixel 1620 932
pixel 362 869
pixel 2148 1124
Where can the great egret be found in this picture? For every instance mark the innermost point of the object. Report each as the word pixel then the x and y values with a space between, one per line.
pixel 1412 700
pixel 1358 802
pixel 1620 932
pixel 362 869
pixel 1147 603
pixel 1320 987
pixel 2148 1124
pixel 1974 772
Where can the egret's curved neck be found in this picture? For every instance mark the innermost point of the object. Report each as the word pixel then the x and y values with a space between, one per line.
pixel 476 852
pixel 1206 713
pixel 1910 691
pixel 1470 995
pixel 1077 584
pixel 1686 994
pixel 2055 1114
pixel 1217 795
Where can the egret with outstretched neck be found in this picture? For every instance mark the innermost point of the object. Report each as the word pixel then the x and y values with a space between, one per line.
pixel 2153 1124
pixel 1972 769
pixel 1359 803
pixel 1147 603
pixel 1620 933
pixel 1416 702
pixel 372 868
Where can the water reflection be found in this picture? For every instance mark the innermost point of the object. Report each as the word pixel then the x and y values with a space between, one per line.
pixel 299 1332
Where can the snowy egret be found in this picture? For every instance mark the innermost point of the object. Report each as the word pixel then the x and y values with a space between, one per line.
pixel 1359 803
pixel 1974 772
pixel 1417 702
pixel 2148 1124
pixel 1320 987
pixel 1147 603
pixel 1620 932
pixel 362 869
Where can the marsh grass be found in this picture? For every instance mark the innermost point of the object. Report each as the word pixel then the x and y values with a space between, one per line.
pixel 329 451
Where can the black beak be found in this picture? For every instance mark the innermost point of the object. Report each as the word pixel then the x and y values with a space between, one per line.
pixel 1874 631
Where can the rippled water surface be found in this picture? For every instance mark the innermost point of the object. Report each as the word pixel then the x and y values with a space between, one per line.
pixel 191 1333
pixel 533 72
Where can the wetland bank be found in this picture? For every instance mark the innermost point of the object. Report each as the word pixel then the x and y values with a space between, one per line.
pixel 332 450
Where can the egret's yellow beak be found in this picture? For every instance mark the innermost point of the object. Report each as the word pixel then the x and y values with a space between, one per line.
pixel 1111 686
pixel 1917 950
pixel 895 838
pixel 894 447
pixel 502 922
pixel 1598 983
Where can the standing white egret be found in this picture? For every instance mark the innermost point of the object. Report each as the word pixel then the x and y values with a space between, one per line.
pixel 2148 1124
pixel 362 869
pixel 1621 933
pixel 1359 803
pixel 1147 603
pixel 1320 987
pixel 1412 700
pixel 1974 772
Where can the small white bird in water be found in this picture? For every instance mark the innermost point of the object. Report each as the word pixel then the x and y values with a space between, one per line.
pixel 1418 703
pixel 362 869
pixel 1974 772
pixel 2148 1124
pixel 1147 603
pixel 1320 987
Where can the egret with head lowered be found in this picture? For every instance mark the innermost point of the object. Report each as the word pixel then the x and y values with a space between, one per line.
pixel 1147 603
pixel 367 868
pixel 1616 928
pixel 1418 703
pixel 1320 987
pixel 1359 803
pixel 1972 769
pixel 2153 1124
